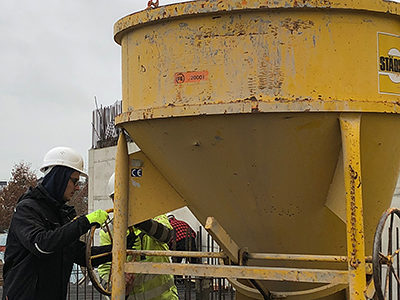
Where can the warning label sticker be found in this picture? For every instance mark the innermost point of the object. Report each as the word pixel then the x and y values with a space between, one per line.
pixel 389 63
pixel 194 76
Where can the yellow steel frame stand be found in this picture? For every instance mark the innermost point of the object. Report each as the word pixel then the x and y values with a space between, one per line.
pixel 350 125
pixel 120 219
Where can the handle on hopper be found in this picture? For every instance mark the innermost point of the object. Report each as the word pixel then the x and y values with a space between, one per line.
pixel 106 289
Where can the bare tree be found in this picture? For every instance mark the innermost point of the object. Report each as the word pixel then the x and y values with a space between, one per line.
pixel 22 177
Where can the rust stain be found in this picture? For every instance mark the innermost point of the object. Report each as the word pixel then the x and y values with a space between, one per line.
pixel 254 109
pixel 263 77
pixel 296 26
pixel 147 114
pixel 273 29
pixel 327 3
pixel 353 219
pixel 285 100
pixel 277 79
pixel 251 83
pixel 304 3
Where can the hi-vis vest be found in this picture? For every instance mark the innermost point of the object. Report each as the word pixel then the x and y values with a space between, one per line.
pixel 146 286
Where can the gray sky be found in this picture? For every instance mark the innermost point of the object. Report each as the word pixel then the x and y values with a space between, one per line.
pixel 55 56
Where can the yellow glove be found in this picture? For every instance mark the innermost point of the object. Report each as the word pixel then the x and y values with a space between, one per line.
pixel 98 216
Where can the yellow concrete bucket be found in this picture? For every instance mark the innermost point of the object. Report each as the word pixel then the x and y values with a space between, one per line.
pixel 278 118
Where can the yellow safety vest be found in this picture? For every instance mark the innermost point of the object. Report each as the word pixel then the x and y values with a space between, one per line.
pixel 146 286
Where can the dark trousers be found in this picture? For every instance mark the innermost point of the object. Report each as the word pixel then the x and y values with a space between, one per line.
pixel 187 244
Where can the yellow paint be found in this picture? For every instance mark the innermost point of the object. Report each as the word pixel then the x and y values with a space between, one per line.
pixel 350 125
pixel 260 133
pixel 281 59
pixel 337 191
pixel 225 242
pixel 285 176
pixel 149 193
pixel 120 219
pixel 301 275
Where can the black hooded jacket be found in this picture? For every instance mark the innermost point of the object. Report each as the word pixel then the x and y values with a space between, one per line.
pixel 42 245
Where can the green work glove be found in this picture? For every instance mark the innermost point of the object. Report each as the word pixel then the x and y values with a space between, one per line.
pixel 98 216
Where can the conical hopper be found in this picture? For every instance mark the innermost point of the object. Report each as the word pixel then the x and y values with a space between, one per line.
pixel 272 189
pixel 238 105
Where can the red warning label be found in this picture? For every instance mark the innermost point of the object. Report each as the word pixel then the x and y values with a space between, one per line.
pixel 195 76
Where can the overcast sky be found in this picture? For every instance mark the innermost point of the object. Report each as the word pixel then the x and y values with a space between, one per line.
pixel 55 56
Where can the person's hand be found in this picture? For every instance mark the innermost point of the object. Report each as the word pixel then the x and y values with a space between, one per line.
pixel 129 279
pixel 130 240
pixel 97 217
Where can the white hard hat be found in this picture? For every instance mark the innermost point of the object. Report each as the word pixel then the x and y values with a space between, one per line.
pixel 63 156
pixel 110 185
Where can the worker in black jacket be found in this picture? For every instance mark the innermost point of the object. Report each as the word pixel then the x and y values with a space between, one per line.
pixel 43 238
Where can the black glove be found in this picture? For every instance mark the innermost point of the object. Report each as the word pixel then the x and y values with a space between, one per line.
pixel 96 250
pixel 156 230
pixel 130 239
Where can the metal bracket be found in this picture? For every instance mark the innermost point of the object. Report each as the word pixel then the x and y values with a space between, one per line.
pixel 223 239
pixel 243 256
